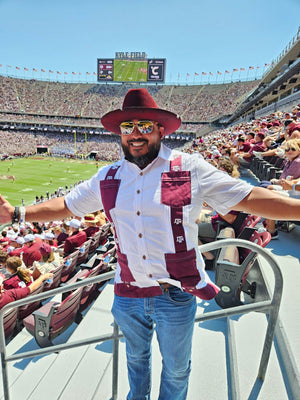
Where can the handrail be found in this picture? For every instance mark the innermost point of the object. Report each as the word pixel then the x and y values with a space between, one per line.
pixel 269 306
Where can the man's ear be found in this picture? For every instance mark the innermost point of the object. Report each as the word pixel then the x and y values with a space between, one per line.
pixel 161 130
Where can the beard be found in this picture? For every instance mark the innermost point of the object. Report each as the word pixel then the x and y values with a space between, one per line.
pixel 144 160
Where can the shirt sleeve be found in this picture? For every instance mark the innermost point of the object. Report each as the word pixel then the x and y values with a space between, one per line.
pixel 218 189
pixel 86 197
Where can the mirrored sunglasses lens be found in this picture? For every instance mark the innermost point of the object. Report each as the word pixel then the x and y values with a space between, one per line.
pixel 145 126
pixel 127 128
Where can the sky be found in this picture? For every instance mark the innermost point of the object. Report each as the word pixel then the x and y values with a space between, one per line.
pixel 194 36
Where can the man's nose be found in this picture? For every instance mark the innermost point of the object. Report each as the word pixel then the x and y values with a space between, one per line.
pixel 136 132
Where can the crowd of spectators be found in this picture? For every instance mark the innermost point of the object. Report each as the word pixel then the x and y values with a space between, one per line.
pixel 30 252
pixel 68 100
pixel 275 134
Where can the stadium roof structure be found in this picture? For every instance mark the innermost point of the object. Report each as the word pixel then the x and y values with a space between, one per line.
pixel 280 81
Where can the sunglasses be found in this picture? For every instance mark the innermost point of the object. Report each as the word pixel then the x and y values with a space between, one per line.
pixel 144 127
pixel 290 149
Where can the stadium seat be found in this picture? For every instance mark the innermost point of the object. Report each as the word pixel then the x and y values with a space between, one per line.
pixel 10 322
pixel 52 319
pixel 27 309
pixel 69 266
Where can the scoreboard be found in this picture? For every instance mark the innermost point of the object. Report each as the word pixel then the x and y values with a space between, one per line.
pixel 131 70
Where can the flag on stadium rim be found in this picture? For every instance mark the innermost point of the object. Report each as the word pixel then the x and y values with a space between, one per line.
pixel 43 70
pixel 65 73
pixel 235 69
pixel 219 73
pixel 34 69
pixel 0 65
pixel 196 74
pixel 267 64
pixel 9 66
pixel 188 74
pixel 257 67
pixel 25 69
pixel 74 73
pixel 227 72
pixel 242 69
pixel 94 73
pixel 88 73
pixel 59 73
pixel 17 67
pixel 251 67
pixel 51 72
pixel 210 73
pixel 203 73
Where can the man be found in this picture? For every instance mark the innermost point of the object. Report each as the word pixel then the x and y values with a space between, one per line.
pixel 17 246
pixel 258 146
pixel 152 197
pixel 31 251
pixel 76 238
pixel 91 225
pixel 242 145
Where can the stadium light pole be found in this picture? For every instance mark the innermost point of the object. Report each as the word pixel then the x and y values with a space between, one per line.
pixel 85 143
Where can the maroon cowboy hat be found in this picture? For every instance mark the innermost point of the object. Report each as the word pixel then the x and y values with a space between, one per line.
pixel 138 104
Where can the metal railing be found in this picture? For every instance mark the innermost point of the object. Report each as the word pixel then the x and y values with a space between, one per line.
pixel 270 307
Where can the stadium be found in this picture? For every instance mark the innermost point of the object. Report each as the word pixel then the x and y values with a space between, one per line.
pixel 51 133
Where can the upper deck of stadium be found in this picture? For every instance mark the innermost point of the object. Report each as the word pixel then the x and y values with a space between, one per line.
pixel 34 100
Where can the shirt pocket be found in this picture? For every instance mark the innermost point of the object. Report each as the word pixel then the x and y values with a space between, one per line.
pixel 176 188
pixel 183 267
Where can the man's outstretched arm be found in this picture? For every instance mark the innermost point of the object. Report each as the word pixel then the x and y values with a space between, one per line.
pixel 268 204
pixel 48 211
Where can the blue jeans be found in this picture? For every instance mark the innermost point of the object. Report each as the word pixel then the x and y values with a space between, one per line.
pixel 173 314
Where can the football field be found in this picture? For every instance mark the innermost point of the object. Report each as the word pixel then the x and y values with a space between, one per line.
pixel 26 178
pixel 130 71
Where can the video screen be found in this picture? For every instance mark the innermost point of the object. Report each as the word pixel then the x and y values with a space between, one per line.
pixel 116 70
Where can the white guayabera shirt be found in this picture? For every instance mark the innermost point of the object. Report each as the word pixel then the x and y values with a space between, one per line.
pixel 142 215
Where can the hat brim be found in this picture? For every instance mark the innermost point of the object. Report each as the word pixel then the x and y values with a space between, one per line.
pixel 167 119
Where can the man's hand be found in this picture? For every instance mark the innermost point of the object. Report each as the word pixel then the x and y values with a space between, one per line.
pixel 6 211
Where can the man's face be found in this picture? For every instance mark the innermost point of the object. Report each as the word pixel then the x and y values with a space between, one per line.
pixel 140 148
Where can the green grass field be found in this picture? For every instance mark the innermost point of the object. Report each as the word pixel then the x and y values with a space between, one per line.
pixel 130 71
pixel 36 176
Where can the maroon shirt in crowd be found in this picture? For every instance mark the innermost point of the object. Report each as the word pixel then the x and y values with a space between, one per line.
pixel 74 241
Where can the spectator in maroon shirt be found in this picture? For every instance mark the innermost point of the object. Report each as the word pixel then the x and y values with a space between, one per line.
pixel 31 250
pixel 19 276
pixel 242 145
pixel 91 227
pixel 60 234
pixel 18 245
pixel 250 136
pixel 7 296
pixel 76 239
pixel 258 146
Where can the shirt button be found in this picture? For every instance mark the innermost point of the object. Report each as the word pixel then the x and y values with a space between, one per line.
pixel 138 213
pixel 138 191
pixel 144 257
pixel 140 235
pixel 150 275
pixel 141 173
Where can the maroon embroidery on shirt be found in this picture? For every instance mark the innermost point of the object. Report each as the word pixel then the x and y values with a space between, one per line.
pixel 176 193
pixel 125 273
pixel 109 188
